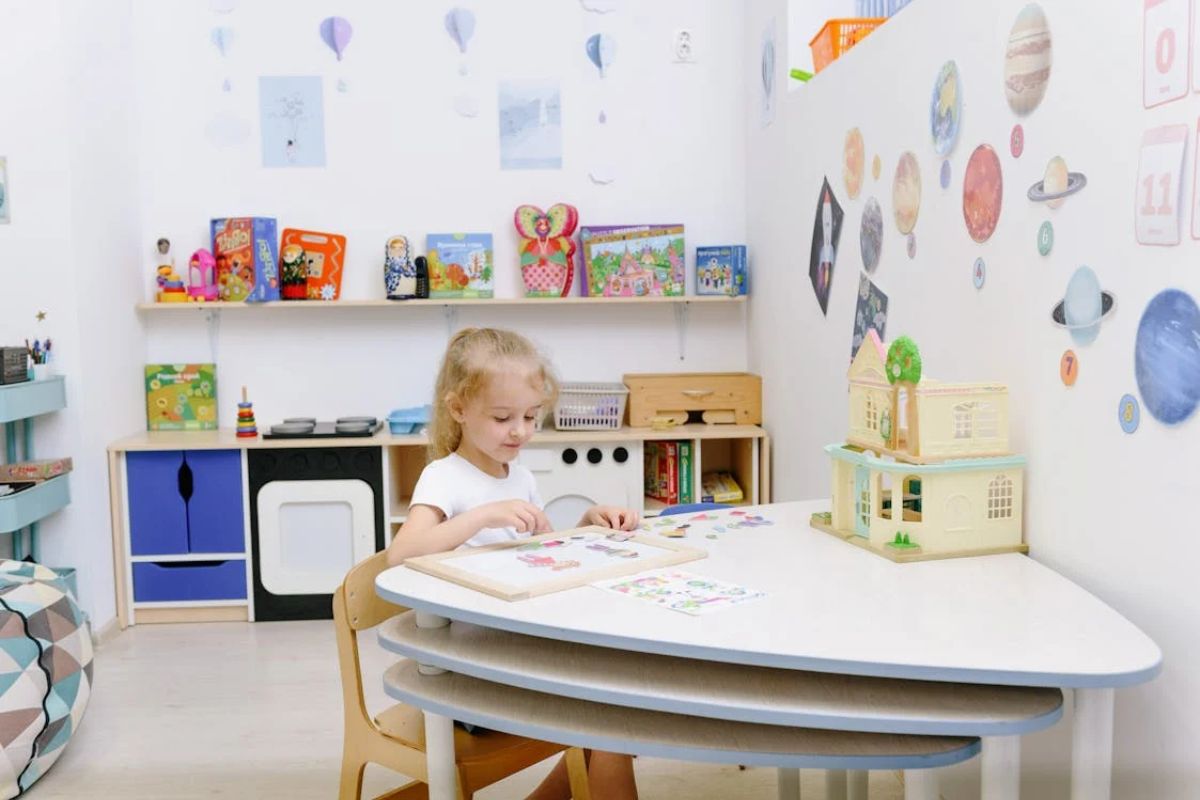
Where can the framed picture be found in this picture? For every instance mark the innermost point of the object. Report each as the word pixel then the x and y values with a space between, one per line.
pixel 552 562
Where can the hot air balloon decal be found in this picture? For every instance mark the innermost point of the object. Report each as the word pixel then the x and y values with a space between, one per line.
pixel 601 50
pixel 336 33
pixel 460 24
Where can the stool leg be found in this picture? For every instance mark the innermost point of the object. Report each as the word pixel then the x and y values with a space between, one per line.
pixel 789 783
pixel 920 784
pixel 835 784
pixel 1001 767
pixel 856 784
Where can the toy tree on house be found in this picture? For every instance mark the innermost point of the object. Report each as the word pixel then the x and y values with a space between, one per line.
pixel 934 481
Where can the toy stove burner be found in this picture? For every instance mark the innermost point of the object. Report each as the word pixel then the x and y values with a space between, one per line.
pixel 309 428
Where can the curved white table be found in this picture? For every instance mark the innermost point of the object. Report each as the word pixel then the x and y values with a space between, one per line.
pixel 833 607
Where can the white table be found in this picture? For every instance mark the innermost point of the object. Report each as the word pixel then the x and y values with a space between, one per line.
pixel 832 607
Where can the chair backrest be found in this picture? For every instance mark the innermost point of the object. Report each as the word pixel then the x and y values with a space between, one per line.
pixel 356 607
pixel 689 508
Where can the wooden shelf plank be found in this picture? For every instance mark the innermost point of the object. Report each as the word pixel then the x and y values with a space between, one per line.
pixel 225 438
pixel 495 302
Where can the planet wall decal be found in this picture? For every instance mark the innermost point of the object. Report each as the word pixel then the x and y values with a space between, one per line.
pixel 1027 60
pixel 870 235
pixel 1057 184
pixel 983 193
pixel 906 193
pixel 1083 307
pixel 945 109
pixel 1167 356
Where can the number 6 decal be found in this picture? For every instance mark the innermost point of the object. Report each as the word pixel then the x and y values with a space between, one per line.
pixel 1166 51
pixel 1160 177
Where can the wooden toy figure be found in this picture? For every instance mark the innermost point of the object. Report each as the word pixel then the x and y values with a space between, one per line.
pixel 247 428
pixel 294 272
pixel 547 248
pixel 202 277
pixel 399 273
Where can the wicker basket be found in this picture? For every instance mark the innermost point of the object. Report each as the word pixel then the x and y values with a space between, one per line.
pixel 590 406
pixel 838 36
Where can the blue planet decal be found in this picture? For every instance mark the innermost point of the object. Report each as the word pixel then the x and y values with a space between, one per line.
pixel 1167 356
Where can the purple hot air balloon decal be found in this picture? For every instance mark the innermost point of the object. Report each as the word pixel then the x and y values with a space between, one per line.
pixel 222 39
pixel 460 24
pixel 601 49
pixel 336 33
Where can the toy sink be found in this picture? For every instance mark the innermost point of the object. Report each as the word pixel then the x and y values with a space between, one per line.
pixel 409 420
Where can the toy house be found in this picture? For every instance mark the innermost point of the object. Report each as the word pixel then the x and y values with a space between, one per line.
pixel 925 471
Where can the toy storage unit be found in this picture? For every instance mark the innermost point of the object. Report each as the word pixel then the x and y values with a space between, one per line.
pixel 21 511
pixel 186 507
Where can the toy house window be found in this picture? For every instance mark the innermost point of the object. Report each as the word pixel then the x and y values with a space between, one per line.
pixel 962 420
pixel 864 505
pixel 911 503
pixel 1000 498
pixel 987 421
pixel 872 414
pixel 885 496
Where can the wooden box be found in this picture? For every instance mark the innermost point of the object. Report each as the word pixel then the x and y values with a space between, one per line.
pixel 729 397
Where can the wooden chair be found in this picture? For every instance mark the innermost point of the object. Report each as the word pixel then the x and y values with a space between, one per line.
pixel 396 737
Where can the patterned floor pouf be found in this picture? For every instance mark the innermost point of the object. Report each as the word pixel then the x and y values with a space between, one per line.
pixel 45 672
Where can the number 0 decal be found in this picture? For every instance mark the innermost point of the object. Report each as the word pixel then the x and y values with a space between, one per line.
pixel 1166 51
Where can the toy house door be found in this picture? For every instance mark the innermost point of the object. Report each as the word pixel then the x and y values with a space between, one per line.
pixel 862 501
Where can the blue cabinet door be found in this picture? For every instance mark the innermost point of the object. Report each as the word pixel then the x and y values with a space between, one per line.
pixel 157 513
pixel 214 510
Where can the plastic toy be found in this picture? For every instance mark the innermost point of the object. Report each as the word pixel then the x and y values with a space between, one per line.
pixel 547 248
pixel 202 277
pixel 247 428
pixel 925 471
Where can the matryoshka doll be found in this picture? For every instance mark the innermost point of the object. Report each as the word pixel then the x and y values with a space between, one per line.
pixel 293 272
pixel 399 274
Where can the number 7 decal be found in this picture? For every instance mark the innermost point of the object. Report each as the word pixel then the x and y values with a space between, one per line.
pixel 1159 186
pixel 1166 51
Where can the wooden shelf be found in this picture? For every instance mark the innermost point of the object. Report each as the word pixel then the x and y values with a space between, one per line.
pixel 32 398
pixel 226 438
pixel 495 302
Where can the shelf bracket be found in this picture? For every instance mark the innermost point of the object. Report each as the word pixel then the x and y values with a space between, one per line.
pixel 451 314
pixel 681 322
pixel 212 317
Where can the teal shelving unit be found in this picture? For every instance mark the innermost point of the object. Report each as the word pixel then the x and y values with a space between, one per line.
pixel 20 403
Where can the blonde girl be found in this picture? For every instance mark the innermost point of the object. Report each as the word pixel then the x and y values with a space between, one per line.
pixel 492 387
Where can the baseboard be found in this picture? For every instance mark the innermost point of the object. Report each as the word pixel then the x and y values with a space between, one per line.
pixel 106 634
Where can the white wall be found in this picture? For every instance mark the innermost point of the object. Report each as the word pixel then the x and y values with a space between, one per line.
pixel 1103 507
pixel 70 167
pixel 400 160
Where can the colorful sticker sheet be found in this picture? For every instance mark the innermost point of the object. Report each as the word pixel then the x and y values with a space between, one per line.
pixel 681 591
pixel 707 523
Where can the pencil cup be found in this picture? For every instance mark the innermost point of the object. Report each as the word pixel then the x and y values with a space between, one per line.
pixel 42 371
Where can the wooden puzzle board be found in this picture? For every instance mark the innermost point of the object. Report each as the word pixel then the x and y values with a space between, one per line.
pixel 552 562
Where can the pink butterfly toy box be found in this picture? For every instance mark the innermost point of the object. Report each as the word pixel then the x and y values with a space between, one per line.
pixel 547 248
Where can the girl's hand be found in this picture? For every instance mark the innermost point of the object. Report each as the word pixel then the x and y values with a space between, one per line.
pixel 615 517
pixel 524 517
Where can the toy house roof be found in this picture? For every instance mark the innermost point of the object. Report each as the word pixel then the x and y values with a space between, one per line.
pixel 869 362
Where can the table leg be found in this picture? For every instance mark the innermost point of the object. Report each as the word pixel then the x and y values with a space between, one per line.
pixel 919 784
pixel 439 757
pixel 856 784
pixel 1001 767
pixel 835 784
pixel 427 620
pixel 789 783
pixel 1091 748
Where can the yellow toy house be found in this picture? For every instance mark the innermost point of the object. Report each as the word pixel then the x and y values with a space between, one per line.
pixel 925 471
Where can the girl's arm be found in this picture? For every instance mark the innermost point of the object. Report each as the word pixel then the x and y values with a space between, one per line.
pixel 428 531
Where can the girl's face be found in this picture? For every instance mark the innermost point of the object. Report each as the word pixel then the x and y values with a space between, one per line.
pixel 499 420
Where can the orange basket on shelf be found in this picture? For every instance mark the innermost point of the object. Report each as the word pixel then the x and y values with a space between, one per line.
pixel 838 36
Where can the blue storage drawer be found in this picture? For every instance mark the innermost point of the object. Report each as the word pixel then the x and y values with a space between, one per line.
pixel 156 582
pixel 215 508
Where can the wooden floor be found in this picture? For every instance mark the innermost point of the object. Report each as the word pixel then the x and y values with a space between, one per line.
pixel 238 710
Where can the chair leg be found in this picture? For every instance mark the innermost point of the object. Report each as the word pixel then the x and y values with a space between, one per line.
pixel 577 774
pixel 350 787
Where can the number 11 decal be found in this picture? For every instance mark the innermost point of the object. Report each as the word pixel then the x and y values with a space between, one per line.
pixel 1159 186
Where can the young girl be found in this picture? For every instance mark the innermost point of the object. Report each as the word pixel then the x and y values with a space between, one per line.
pixel 491 389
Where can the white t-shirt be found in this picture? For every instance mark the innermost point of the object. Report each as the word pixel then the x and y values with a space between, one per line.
pixel 454 485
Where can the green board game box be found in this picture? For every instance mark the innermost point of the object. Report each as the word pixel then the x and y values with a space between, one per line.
pixel 181 397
